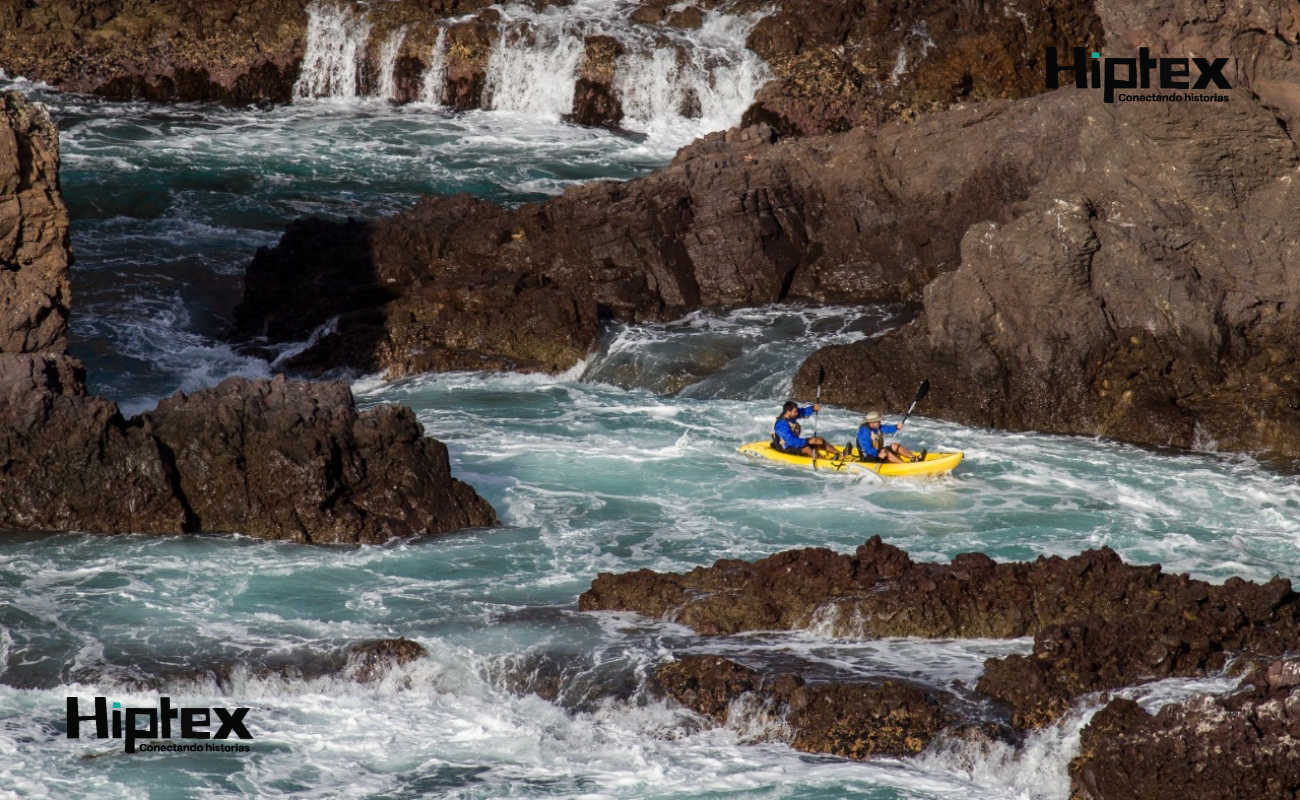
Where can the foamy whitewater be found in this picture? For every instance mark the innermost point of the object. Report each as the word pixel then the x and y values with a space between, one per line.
pixel 627 461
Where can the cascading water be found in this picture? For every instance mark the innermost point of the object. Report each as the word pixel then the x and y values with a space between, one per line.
pixel 392 48
pixel 687 81
pixel 436 73
pixel 533 70
pixel 336 43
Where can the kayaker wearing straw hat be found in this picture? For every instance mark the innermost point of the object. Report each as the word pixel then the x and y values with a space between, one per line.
pixel 871 442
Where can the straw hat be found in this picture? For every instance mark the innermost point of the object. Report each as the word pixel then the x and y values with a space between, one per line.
pixel 872 416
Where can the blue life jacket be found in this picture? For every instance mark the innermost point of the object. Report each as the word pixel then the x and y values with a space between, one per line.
pixel 784 435
pixel 870 442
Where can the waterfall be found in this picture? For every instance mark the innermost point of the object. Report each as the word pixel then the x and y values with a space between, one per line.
pixel 435 76
pixel 388 64
pixel 533 70
pixel 336 42
pixel 689 81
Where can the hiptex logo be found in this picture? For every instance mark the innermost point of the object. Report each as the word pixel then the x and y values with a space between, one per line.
pixel 1173 74
pixel 192 719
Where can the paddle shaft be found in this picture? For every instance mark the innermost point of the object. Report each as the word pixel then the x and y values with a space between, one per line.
pixel 821 376
pixel 921 392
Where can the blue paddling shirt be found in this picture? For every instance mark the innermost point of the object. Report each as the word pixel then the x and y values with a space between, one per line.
pixel 868 442
pixel 783 430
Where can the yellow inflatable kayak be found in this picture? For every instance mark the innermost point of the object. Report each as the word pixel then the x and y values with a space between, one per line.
pixel 934 463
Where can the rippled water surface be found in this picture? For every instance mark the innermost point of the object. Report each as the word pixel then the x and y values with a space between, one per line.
pixel 627 461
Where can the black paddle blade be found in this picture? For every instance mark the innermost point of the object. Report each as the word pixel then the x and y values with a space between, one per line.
pixel 821 375
pixel 922 392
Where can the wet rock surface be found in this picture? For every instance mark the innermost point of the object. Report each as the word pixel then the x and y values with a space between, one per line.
pixel 1075 261
pixel 1117 301
pixel 272 458
pixel 856 720
pixel 845 63
pixel 1097 623
pixel 740 218
pixel 34 251
pixel 372 661
pixel 1240 745
pixel 233 50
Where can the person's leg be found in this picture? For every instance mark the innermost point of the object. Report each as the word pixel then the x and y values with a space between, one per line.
pixel 808 451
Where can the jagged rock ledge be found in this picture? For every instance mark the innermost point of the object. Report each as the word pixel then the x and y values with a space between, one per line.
pixel 1097 622
pixel 272 458
pixel 1098 625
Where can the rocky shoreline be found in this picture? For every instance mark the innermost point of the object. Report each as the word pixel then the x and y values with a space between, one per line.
pixel 848 65
pixel 1099 625
pixel 1074 261
pixel 274 459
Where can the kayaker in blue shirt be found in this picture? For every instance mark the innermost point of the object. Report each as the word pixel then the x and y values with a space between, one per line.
pixel 871 442
pixel 788 438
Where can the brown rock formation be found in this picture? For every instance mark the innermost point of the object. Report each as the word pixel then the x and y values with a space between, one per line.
pixel 1116 304
pixel 235 50
pixel 1208 748
pixel 738 219
pixel 1102 290
pixel 844 63
pixel 1097 623
pixel 1147 288
pixel 856 720
pixel 371 661
pixel 34 253
pixel 271 459
pixel 594 100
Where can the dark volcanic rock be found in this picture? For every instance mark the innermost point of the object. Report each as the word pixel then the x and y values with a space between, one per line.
pixel 1147 288
pixel 738 219
pixel 857 720
pixel 233 50
pixel 1100 289
pixel 1116 303
pixel 280 459
pixel 594 99
pixel 34 252
pixel 271 459
pixel 844 63
pixel 1098 623
pixel 1208 748
pixel 369 662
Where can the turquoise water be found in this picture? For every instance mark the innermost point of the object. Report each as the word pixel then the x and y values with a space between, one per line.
pixel 627 461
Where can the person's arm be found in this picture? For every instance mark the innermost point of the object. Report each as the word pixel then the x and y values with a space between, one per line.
pixel 891 429
pixel 806 411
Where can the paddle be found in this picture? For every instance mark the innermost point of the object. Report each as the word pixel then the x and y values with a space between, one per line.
pixel 920 395
pixel 821 376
